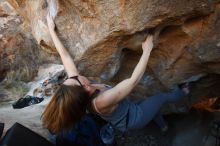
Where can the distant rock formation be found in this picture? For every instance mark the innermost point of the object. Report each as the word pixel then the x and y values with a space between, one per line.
pixel 20 55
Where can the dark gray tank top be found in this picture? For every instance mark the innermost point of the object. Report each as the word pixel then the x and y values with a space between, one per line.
pixel 119 118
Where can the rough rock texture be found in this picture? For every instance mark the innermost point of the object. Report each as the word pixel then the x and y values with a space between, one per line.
pixel 19 53
pixel 105 37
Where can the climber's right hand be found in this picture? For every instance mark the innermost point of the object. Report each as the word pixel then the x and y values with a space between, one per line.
pixel 50 22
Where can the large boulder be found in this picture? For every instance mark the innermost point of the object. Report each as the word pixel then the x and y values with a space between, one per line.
pixel 104 37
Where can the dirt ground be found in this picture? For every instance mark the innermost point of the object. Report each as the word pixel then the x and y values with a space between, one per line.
pixel 189 129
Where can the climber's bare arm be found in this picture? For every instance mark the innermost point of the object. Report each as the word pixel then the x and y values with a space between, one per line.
pixel 112 97
pixel 67 60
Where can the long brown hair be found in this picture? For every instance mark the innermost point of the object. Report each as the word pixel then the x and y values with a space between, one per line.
pixel 67 106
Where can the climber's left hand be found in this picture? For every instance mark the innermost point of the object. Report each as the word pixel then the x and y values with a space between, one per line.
pixel 50 22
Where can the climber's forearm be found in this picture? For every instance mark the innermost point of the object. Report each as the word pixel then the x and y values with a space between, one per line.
pixel 59 46
pixel 140 68
pixel 67 60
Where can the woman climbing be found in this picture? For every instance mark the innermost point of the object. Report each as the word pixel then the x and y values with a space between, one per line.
pixel 77 95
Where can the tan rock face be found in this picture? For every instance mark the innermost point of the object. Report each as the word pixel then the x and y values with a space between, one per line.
pixel 105 37
pixel 20 56
pixel 12 42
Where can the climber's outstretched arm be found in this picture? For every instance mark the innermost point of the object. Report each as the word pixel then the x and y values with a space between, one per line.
pixel 67 60
pixel 109 98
